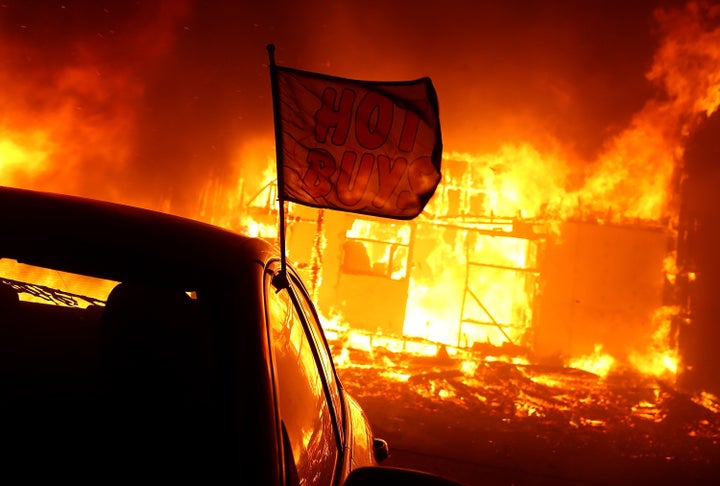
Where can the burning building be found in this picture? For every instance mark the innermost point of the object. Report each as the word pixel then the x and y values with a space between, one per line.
pixel 556 290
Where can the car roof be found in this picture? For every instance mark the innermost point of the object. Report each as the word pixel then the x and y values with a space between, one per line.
pixel 117 241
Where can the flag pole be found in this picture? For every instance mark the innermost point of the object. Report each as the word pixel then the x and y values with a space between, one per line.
pixel 281 280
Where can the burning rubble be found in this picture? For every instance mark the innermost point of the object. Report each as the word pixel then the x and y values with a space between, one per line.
pixel 500 397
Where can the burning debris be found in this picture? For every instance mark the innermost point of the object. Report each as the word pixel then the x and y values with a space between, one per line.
pixel 503 400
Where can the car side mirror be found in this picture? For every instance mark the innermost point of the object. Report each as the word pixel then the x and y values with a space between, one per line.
pixel 386 476
pixel 380 449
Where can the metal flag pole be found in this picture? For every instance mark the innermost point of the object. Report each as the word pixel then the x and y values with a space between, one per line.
pixel 281 280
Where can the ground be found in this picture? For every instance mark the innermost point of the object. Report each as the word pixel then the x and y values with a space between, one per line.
pixel 497 423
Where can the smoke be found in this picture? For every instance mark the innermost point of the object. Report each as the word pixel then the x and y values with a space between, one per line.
pixel 75 80
pixel 146 102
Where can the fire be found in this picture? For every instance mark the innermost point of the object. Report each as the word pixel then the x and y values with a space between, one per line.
pixel 599 363
pixel 17 160
pixel 435 305
pixel 687 62
pixel 73 97
pixel 516 180
pixel 46 149
pixel 661 358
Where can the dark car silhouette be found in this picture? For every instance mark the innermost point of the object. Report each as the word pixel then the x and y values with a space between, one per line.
pixel 140 346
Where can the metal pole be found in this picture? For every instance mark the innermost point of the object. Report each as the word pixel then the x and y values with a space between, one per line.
pixel 282 277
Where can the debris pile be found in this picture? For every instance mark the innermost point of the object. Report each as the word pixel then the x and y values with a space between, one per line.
pixel 514 413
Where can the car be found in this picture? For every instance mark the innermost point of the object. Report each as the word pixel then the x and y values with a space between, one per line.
pixel 142 346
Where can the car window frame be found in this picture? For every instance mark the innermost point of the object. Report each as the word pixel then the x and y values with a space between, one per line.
pixel 272 283
pixel 327 365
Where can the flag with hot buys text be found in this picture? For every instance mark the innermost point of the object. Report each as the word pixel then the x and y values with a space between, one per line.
pixel 365 147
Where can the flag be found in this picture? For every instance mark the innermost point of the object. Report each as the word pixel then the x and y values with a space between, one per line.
pixel 365 147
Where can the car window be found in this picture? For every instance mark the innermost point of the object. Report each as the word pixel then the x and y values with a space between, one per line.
pixel 50 286
pixel 303 406
pixel 323 351
pixel 103 362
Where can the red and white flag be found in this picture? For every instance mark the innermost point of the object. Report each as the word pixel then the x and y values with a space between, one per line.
pixel 365 147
